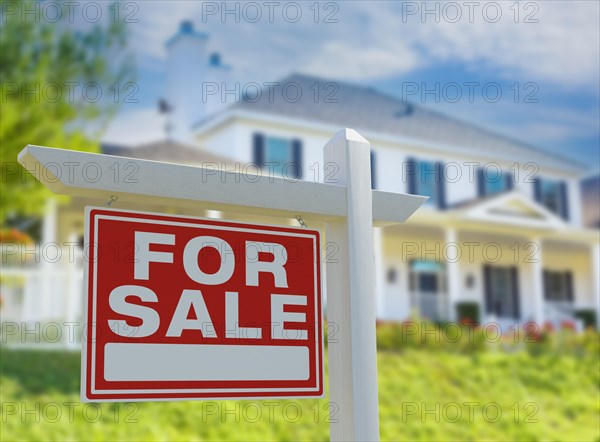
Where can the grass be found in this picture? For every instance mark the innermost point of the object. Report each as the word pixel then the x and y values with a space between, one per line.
pixel 423 395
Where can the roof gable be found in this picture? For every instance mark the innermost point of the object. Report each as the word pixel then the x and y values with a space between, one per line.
pixel 512 208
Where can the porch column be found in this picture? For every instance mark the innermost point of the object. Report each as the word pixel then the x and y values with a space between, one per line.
pixel 49 223
pixel 48 267
pixel 537 282
pixel 452 256
pixel 379 272
pixel 595 262
pixel 406 294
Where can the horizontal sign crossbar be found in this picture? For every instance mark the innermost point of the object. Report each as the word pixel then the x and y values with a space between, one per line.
pixel 150 182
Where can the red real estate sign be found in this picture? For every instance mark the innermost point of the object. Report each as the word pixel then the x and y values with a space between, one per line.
pixel 188 308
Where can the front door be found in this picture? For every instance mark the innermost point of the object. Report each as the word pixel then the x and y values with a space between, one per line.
pixel 501 292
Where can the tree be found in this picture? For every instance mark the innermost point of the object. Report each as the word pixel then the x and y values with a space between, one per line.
pixel 51 76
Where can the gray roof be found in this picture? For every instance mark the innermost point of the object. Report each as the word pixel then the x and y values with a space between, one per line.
pixel 166 150
pixel 365 108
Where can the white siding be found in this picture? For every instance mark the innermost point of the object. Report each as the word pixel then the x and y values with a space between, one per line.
pixel 235 140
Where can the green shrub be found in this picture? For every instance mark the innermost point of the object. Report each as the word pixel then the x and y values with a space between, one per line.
pixel 588 316
pixel 461 338
pixel 467 312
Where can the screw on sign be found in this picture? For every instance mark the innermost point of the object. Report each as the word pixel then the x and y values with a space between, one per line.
pixel 184 308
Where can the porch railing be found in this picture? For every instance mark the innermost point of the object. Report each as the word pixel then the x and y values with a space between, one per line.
pixel 558 312
pixel 31 298
pixel 432 306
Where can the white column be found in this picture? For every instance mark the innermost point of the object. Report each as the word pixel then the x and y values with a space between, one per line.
pixel 74 298
pixel 49 224
pixel 595 262
pixel 47 277
pixel 537 283
pixel 406 301
pixel 453 271
pixel 350 293
pixel 379 272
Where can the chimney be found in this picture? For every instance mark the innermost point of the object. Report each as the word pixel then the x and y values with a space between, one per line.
pixel 187 66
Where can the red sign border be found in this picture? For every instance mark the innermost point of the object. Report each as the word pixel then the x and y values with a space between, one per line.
pixel 131 396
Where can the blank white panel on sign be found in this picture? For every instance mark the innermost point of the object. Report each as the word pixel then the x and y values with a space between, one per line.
pixel 184 362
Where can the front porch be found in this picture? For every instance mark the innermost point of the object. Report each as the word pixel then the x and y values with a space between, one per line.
pixel 432 266
pixel 445 267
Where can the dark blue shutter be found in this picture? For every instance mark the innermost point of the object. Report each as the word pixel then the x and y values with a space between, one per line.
pixel 569 283
pixel 546 284
pixel 441 185
pixel 373 169
pixel 480 182
pixel 411 172
pixel 514 276
pixel 297 156
pixel 258 149
pixel 537 189
pixel 564 201
pixel 487 287
pixel 508 180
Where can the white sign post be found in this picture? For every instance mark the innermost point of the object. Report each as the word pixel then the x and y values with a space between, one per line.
pixel 351 295
pixel 350 209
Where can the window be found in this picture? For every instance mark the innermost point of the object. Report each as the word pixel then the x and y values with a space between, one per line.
pixel 427 276
pixel 552 194
pixel 280 155
pixel 491 181
pixel 426 183
pixel 426 178
pixel 558 286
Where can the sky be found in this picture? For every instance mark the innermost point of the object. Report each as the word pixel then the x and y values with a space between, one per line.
pixel 529 70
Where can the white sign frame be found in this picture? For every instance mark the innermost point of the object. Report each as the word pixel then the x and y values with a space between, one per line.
pixel 349 207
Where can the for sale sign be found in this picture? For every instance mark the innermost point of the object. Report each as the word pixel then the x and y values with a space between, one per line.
pixel 188 308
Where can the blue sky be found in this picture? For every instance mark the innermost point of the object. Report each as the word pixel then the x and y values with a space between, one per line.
pixel 549 52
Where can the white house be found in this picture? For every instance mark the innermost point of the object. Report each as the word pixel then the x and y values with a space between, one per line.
pixel 501 237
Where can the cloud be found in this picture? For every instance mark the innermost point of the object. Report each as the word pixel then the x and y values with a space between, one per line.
pixel 562 47
pixel 337 60
pixel 136 127
pixel 377 40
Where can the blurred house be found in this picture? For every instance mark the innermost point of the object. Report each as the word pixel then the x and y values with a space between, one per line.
pixel 502 237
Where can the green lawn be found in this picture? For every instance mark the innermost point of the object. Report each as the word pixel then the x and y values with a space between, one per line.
pixel 424 394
